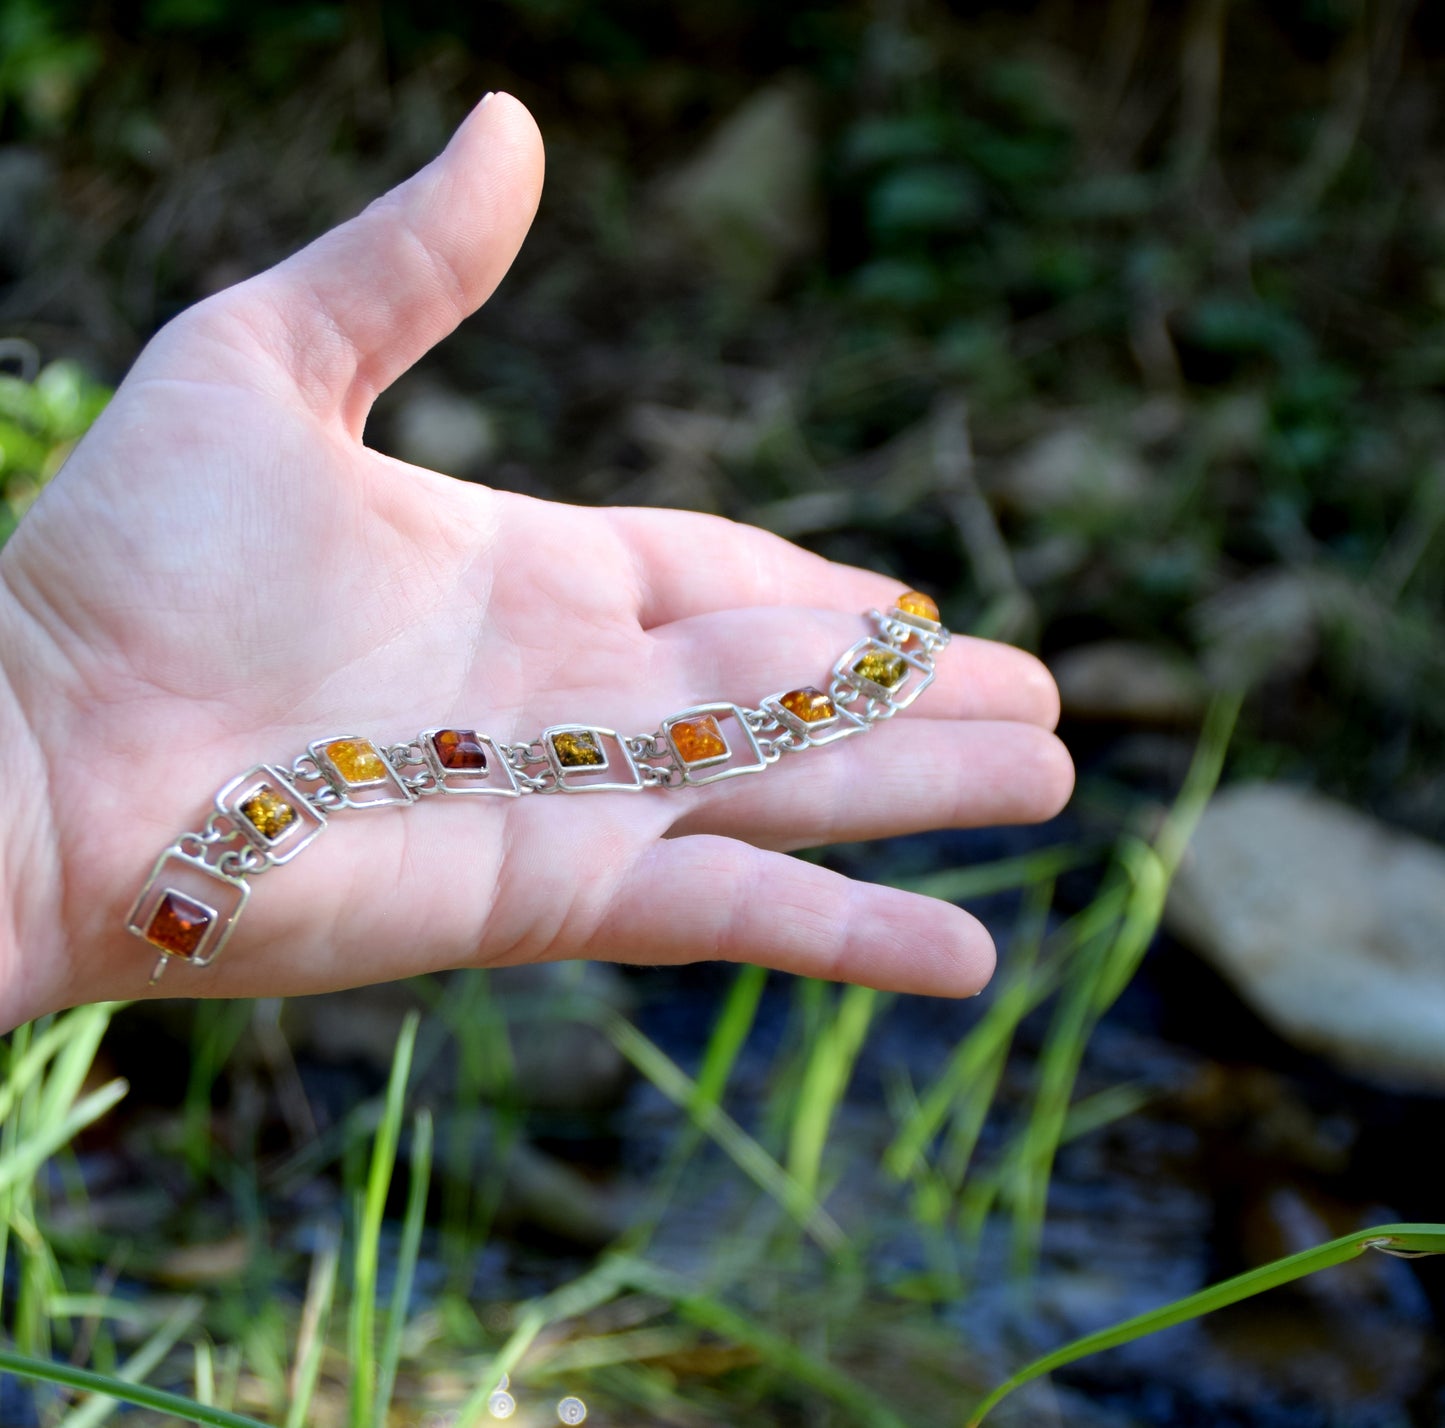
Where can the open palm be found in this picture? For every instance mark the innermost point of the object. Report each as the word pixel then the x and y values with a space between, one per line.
pixel 224 573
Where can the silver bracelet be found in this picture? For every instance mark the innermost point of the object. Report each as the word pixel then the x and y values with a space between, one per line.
pixel 194 897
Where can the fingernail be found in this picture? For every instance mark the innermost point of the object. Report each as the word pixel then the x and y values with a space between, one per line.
pixel 487 98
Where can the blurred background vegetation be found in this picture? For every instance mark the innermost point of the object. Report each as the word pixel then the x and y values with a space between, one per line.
pixel 1119 326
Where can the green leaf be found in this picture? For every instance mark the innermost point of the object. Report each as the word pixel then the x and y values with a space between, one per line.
pixel 1405 1240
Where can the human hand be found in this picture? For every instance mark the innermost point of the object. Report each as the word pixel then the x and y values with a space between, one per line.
pixel 223 573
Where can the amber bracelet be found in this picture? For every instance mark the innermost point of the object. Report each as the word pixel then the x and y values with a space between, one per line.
pixel 194 897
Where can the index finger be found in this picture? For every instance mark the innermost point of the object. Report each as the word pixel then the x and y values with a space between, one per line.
pixel 688 564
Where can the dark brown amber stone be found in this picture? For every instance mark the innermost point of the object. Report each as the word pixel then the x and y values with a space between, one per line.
pixel 577 750
pixel 460 750
pixel 178 925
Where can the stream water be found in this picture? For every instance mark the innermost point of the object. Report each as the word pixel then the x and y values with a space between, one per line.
pixel 1245 1150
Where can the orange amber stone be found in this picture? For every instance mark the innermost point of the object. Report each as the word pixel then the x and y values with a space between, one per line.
pixel 460 750
pixel 268 812
pixel 577 750
pixel 808 704
pixel 697 739
pixel 915 602
pixel 356 760
pixel 178 925
pixel 882 668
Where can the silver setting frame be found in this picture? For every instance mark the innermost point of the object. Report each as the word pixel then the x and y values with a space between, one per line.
pixel 222 896
pixel 309 821
pixel 919 622
pixel 592 778
pixel 498 778
pixel 917 676
pixel 900 627
pixel 389 788
pixel 720 766
pixel 822 731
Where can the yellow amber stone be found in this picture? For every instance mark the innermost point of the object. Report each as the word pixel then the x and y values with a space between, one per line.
pixel 577 750
pixel 882 668
pixel 268 812
pixel 808 704
pixel 915 602
pixel 356 760
pixel 698 739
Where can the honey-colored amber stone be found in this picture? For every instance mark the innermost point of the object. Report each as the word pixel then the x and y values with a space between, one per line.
pixel 576 750
pixel 808 704
pixel 881 668
pixel 915 602
pixel 356 760
pixel 268 812
pixel 698 739
pixel 178 925
pixel 460 750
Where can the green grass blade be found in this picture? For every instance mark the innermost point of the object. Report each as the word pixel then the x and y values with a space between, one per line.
pixel 730 1032
pixel 829 1069
pixel 32 1048
pixel 137 1312
pixel 216 1030
pixel 83 1028
pixel 368 1230
pixel 601 1284
pixel 1391 1239
pixel 21 1163
pixel 410 1248
pixel 1105 969
pixel 745 1152
pixel 978 1058
pixel 139 1394
pixel 205 1372
pixel 719 1318
pixel 1003 875
pixel 315 1317
pixel 725 1042
pixel 143 1362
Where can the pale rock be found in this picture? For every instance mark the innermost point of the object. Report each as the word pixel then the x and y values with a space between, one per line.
pixel 444 431
pixel 1075 468
pixel 747 202
pixel 1331 926
pixel 1128 681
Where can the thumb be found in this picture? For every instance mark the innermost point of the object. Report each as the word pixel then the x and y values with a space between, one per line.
pixel 349 313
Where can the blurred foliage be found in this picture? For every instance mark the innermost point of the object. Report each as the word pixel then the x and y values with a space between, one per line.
pixel 40 420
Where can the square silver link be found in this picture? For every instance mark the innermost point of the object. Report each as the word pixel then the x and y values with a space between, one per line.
pixel 497 779
pixel 899 627
pixel 219 897
pixel 305 824
pixel 386 787
pixel 821 731
pixel 743 756
pixel 917 674
pixel 616 773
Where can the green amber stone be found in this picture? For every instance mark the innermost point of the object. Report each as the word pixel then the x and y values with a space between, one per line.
pixel 577 750
pixel 881 668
